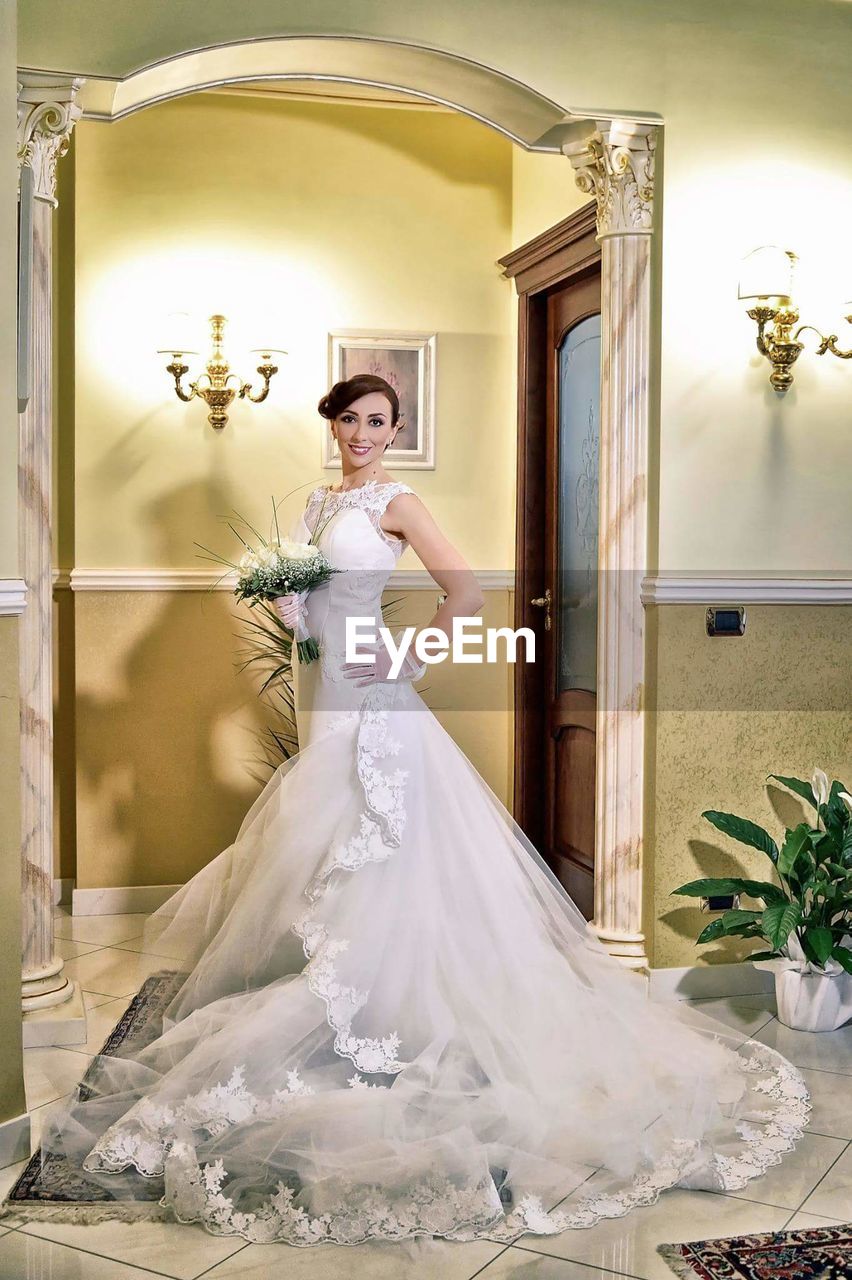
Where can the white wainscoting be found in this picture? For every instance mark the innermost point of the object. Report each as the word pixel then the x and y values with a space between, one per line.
pixel 704 981
pixel 123 900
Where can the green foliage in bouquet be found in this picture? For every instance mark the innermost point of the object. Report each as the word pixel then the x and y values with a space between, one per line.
pixel 269 650
pixel 812 900
pixel 277 567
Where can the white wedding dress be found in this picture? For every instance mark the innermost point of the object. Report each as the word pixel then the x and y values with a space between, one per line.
pixel 395 1021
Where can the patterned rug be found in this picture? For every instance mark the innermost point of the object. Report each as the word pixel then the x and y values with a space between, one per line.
pixel 49 1181
pixel 818 1253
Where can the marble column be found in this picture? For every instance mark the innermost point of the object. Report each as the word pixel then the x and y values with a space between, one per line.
pixel 615 164
pixel 53 1014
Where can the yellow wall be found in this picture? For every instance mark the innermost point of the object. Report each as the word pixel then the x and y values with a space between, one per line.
pixel 330 216
pixel 543 193
pixel 729 712
pixel 293 218
pixel 8 294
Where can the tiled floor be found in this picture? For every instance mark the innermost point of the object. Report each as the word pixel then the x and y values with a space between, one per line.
pixel 812 1187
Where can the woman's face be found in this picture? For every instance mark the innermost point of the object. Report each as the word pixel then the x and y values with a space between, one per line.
pixel 364 428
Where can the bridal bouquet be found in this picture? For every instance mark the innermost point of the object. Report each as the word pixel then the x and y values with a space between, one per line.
pixel 278 567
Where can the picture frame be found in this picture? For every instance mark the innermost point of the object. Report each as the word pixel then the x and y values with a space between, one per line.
pixel 407 361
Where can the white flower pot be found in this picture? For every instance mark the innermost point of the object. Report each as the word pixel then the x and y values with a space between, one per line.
pixel 810 998
pixel 813 1001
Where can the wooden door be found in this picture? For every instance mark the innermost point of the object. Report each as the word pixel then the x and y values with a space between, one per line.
pixel 571 537
pixel 558 278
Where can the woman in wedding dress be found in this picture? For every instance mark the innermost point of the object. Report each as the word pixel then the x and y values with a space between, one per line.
pixel 394 1021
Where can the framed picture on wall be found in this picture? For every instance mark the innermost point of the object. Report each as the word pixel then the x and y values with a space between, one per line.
pixel 407 362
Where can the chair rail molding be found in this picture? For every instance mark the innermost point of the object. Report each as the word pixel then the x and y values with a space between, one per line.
pixel 13 597
pixel 155 579
pixel 742 589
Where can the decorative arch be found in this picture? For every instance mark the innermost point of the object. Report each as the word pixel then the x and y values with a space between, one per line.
pixel 523 115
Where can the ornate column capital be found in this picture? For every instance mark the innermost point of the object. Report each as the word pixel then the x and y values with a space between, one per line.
pixel 47 112
pixel 615 164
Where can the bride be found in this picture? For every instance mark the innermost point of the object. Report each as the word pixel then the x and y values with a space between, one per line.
pixel 390 1019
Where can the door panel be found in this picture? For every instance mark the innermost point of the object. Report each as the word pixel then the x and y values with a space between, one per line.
pixel 571 534
pixel 557 275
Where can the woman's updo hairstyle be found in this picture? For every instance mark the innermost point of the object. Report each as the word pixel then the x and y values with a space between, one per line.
pixel 342 394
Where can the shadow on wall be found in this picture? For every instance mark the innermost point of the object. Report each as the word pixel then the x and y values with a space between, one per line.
pixel 169 733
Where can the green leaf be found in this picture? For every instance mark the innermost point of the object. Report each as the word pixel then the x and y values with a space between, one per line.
pixel 762 955
pixel 835 803
pixel 779 921
pixel 810 954
pixel 726 885
pixel 796 841
pixel 843 956
pixel 744 931
pixel 736 917
pixel 801 788
pixel 741 924
pixel 846 847
pixel 713 931
pixel 821 942
pixel 746 832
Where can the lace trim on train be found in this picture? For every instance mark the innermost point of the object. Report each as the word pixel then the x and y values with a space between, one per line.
pixel 146 1133
pixel 438 1206
pixel 763 1145
pixel 378 835
pixel 435 1204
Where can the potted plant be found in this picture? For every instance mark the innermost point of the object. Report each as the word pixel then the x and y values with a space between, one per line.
pixel 806 917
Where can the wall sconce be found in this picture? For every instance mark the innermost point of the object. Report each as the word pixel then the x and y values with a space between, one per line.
pixel 767 275
pixel 216 394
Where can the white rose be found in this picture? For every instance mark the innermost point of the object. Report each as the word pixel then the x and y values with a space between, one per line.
pixel 297 550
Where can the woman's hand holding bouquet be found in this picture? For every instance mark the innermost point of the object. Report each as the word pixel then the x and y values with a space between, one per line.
pixel 284 572
pixel 281 571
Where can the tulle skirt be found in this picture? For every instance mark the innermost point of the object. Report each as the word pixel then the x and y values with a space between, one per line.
pixel 395 1023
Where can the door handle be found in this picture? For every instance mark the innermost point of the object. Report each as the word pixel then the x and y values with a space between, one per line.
pixel 544 602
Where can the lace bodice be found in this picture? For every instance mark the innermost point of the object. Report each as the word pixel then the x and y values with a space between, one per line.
pixel 346 526
pixel 372 498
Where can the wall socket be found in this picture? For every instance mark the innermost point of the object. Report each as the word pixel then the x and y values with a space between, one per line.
pixel 724 902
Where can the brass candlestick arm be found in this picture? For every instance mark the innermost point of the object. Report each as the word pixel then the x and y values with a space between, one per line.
pixel 266 371
pixel 828 343
pixel 780 348
pixel 177 370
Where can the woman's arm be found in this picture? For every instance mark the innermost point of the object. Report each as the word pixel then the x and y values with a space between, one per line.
pixel 406 516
